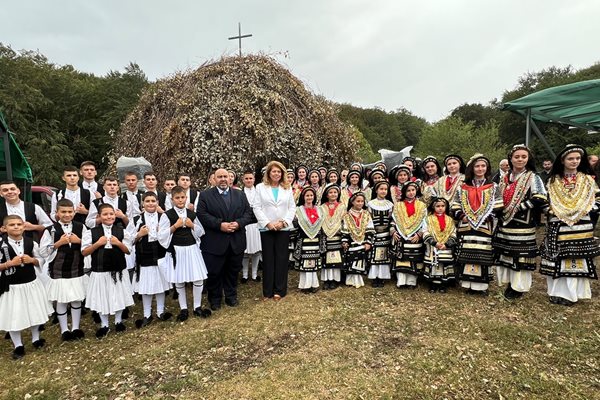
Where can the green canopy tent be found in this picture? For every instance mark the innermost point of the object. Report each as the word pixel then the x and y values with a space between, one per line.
pixel 574 105
pixel 13 164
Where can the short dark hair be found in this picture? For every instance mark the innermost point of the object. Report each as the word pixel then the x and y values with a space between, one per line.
pixel 7 182
pixel 149 173
pixel 149 194
pixel 110 178
pixel 11 217
pixel 177 190
pixel 86 163
pixel 104 206
pixel 70 168
pixel 130 173
pixel 64 203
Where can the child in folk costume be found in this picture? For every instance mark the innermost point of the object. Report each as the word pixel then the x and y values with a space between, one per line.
pixel 524 195
pixel 81 198
pixel 307 253
pixel 109 289
pixel 377 175
pixel 431 171
pixel 149 279
pixel 23 297
pixel 408 218
pixel 439 236
pixel 357 239
pixel 399 175
pixel 380 208
pixel 314 181
pixel 180 234
pixel 569 248
pixel 447 185
pixel 61 247
pixel 475 206
pixel 333 212
pixel 353 185
pixel 253 246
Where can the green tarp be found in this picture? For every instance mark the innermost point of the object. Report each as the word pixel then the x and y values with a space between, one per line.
pixel 20 167
pixel 576 104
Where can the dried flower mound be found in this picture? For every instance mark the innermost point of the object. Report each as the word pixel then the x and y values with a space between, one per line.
pixel 238 113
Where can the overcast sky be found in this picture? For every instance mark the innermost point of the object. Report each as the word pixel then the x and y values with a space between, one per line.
pixel 425 56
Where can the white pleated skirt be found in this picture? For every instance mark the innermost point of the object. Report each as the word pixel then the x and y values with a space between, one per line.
pixel 520 281
pixel 572 289
pixel 355 280
pixel 66 290
pixel 152 280
pixel 24 306
pixel 381 271
pixel 252 239
pixel 331 274
pixel 308 280
pixel 190 265
pixel 106 296
pixel 406 279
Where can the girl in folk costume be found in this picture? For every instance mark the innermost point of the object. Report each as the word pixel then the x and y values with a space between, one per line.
pixel 439 235
pixel 408 217
pixel 447 185
pixel 411 163
pixel 314 181
pixel 377 175
pixel 307 253
pixel 569 248
pixel 301 176
pixel 356 166
pixel 149 279
pixel 475 204
pixel 399 176
pixel 353 186
pixel 381 212
pixel 253 246
pixel 333 212
pixel 431 171
pixel 523 194
pixel 291 179
pixel 357 239
pixel 333 176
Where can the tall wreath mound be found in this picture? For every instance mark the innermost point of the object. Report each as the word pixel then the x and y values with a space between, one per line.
pixel 237 113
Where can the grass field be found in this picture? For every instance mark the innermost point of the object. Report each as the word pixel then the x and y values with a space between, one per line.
pixel 349 343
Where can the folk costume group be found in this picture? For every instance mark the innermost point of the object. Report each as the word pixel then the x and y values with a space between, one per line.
pixel 447 227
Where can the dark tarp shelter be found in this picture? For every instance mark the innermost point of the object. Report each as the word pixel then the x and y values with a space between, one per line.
pixel 13 164
pixel 573 105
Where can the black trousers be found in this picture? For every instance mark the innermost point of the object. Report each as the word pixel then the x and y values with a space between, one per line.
pixel 223 273
pixel 275 256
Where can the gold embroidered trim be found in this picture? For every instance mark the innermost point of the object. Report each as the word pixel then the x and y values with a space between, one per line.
pixel 332 225
pixel 405 225
pixel 435 230
pixel 570 205
pixel 357 233
pixel 523 183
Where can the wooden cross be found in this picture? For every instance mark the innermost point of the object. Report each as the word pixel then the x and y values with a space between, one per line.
pixel 239 37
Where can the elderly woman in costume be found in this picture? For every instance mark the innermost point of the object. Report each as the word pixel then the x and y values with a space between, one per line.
pixel 523 195
pixel 569 248
pixel 475 205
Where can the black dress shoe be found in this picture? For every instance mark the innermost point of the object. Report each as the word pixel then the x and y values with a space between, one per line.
pixel 165 316
pixel 257 279
pixel 232 302
pixel 102 332
pixel 314 290
pixel 78 334
pixel 120 327
pixel 375 283
pixel 305 291
pixel 443 289
pixel 38 344
pixel 67 336
pixel 564 302
pixel 554 300
pixel 140 323
pixel 215 307
pixel 244 280
pixel 18 353
pixel 202 312
pixel 183 315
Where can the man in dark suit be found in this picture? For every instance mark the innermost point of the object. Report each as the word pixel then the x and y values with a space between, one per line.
pixel 224 213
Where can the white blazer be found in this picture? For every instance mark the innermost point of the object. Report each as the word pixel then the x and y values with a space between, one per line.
pixel 267 209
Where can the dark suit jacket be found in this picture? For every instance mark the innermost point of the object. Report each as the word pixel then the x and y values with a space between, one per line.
pixel 212 210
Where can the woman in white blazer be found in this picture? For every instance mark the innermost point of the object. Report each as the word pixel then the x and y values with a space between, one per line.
pixel 274 208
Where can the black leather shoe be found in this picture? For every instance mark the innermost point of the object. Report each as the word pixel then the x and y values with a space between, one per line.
pixel 244 280
pixel 165 316
pixel 18 353
pixel 67 336
pixel 102 332
pixel 120 327
pixel 140 323
pixel 257 279
pixel 78 334
pixel 38 344
pixel 232 302
pixel 202 312
pixel 183 315
pixel 215 307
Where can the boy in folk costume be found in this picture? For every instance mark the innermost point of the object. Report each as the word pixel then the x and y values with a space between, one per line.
pixel 149 279
pixel 439 236
pixel 253 246
pixel 61 247
pixel 180 234
pixel 122 208
pixel 184 181
pixel 23 298
pixel 524 195
pixel 408 218
pixel 475 205
pixel 569 248
pixel 333 212
pixel 81 198
pixel 308 245
pixel 381 212
pixel 109 289
pixel 357 240
pixel 151 185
